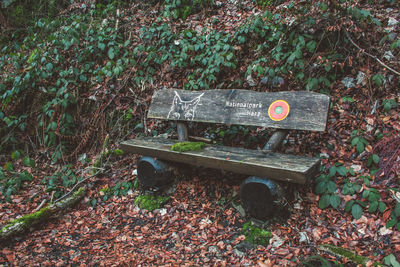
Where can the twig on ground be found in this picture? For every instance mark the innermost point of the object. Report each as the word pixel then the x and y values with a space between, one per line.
pixel 41 205
pixel 370 55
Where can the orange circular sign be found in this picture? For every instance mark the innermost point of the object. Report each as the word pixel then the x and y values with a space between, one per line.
pixel 278 110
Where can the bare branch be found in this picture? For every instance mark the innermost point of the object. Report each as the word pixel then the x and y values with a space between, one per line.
pixel 370 55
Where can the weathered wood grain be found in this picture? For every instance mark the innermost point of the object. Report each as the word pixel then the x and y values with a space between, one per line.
pixel 182 130
pixel 308 110
pixel 282 167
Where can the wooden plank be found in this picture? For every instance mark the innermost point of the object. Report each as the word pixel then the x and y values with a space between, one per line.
pixel 308 110
pixel 282 167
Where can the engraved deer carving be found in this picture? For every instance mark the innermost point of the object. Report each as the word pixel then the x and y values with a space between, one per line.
pixel 184 110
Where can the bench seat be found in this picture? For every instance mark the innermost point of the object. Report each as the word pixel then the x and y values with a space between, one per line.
pixel 282 167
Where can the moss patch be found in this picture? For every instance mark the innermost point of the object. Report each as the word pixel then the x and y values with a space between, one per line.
pixel 149 202
pixel 29 219
pixel 188 146
pixel 255 235
pixel 342 252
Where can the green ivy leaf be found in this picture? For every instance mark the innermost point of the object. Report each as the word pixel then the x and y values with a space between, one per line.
pixel 390 260
pixel 111 53
pixel 320 188
pixel 342 171
pixel 355 141
pixel 16 155
pixel 335 201
pixel 381 206
pixel 373 206
pixel 356 211
pixel 28 162
pixel 375 158
pixel 349 205
pixel 391 223
pixel 101 46
pixel 324 201
pixel 331 186
pixel 360 147
pixel 8 166
pixel 49 66
pixel 332 171
pixel 397 210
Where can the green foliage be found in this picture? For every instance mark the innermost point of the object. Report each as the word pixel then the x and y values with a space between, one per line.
pixel 348 99
pixel 181 9
pixel 326 186
pixel 378 79
pixel 61 181
pixel 283 48
pixel 188 146
pixel 121 188
pixel 150 202
pixel 255 235
pixel 59 60
pixel 11 181
pixel 266 3
pixel 23 13
pixel 370 198
pixel 389 104
pixel 395 213
pixel 358 141
pixel 390 260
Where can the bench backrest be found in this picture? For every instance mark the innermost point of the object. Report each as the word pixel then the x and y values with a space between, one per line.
pixel 299 110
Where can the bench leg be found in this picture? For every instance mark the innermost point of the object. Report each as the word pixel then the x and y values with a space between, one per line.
pixel 153 173
pixel 259 197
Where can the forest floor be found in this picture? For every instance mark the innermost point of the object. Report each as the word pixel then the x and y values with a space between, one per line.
pixel 199 225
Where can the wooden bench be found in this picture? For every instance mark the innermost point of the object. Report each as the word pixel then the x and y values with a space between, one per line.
pixel 281 110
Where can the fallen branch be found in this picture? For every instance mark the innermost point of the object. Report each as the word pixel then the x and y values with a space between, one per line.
pixel 370 55
pixel 34 220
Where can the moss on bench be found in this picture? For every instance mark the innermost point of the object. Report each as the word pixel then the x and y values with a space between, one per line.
pixel 188 146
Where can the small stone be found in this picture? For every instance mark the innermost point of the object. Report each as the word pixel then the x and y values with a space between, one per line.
pixel 162 211
pixel 388 55
pixel 264 80
pixel 385 231
pixel 392 22
pixel 164 136
pixel 240 209
pixel 250 81
pixel 276 241
pixel 134 172
pixel 303 238
pixel 348 82
pixel 213 249
pixel 199 29
pixel 324 155
pixel 297 206
pixel 356 168
pixel 238 253
pixel 361 78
